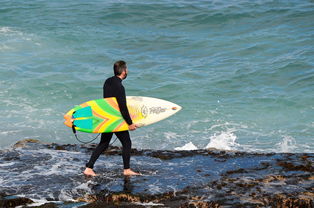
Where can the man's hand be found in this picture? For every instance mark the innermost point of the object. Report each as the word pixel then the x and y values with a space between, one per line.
pixel 132 127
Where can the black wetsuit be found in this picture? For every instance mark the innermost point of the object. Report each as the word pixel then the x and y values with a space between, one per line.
pixel 113 88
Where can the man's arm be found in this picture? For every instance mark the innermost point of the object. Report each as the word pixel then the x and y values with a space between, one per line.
pixel 124 110
pixel 121 99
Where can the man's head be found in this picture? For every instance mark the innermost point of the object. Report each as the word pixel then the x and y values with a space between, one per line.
pixel 120 69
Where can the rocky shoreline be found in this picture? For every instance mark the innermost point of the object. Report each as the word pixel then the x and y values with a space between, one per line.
pixel 198 178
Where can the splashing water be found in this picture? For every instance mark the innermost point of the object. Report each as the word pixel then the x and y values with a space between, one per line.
pixel 224 140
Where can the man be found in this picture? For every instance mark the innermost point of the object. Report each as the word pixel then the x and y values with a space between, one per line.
pixel 113 88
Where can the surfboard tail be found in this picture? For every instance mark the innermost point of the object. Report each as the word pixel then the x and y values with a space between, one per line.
pixel 68 120
pixel 80 118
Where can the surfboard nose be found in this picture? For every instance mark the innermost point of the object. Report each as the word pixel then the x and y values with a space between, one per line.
pixel 176 107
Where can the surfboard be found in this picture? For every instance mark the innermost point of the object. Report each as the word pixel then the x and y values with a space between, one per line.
pixel 103 115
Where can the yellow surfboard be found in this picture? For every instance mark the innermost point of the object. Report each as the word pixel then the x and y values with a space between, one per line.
pixel 103 115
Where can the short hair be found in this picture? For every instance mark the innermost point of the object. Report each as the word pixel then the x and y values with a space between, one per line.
pixel 119 67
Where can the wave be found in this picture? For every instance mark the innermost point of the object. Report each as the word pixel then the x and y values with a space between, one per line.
pixel 188 146
pixel 13 40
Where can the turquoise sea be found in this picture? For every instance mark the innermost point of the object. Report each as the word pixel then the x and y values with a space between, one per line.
pixel 242 70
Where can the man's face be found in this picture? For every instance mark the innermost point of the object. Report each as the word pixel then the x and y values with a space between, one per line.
pixel 125 73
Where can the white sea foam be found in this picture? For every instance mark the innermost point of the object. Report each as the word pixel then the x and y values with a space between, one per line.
pixel 84 186
pixel 188 146
pixel 65 195
pixel 7 164
pixel 81 189
pixel 9 132
pixel 287 144
pixel 149 204
pixel 5 30
pixel 8 31
pixel 12 39
pixel 223 140
pixel 171 135
pixel 39 202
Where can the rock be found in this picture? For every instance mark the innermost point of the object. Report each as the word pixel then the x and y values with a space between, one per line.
pixel 46 205
pixel 12 201
pixel 286 201
pixel 101 204
pixel 198 178
pixel 22 143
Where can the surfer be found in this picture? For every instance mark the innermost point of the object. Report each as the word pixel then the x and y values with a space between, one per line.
pixel 113 88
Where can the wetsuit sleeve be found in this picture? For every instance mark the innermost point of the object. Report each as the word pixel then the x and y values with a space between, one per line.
pixel 121 98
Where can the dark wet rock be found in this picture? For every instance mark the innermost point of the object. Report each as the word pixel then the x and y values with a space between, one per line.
pixel 199 178
pixel 170 199
pixel 101 204
pixel 10 156
pixel 23 143
pixel 281 200
pixel 295 167
pixel 199 203
pixel 13 201
pixel 46 205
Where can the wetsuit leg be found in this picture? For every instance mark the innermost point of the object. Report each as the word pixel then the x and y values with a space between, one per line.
pixel 102 146
pixel 125 140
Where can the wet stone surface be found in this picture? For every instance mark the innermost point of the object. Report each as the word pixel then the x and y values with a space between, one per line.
pixel 51 176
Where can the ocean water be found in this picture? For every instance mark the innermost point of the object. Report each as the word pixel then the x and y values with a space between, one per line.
pixel 243 71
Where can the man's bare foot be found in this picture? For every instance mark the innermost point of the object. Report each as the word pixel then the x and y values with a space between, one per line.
pixel 89 172
pixel 129 172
